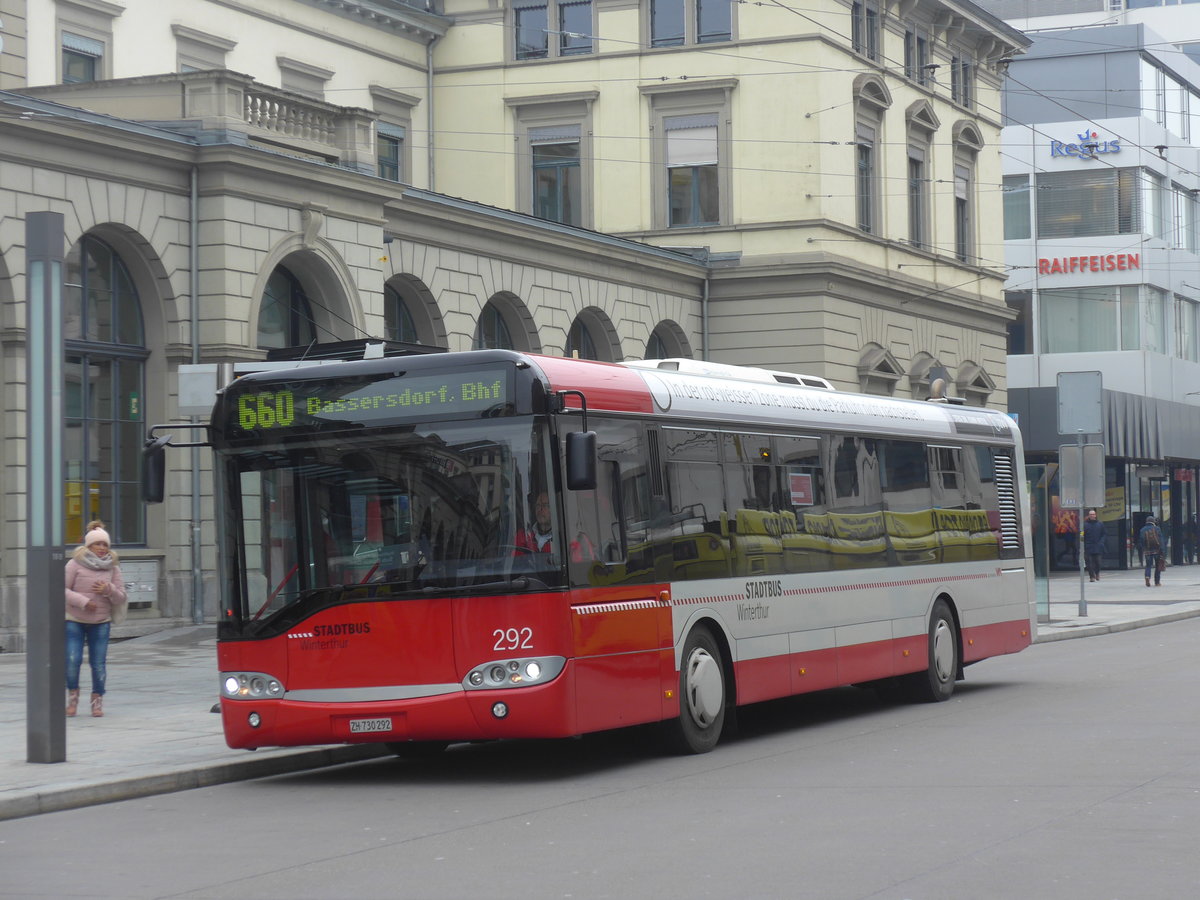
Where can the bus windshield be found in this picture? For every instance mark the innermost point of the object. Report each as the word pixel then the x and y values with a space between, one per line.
pixel 422 508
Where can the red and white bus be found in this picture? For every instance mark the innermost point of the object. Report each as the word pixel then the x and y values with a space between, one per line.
pixel 461 546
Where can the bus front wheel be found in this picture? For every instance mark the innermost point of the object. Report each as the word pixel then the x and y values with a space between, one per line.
pixel 937 682
pixel 702 695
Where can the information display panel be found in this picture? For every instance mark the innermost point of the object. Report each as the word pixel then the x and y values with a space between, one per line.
pixel 275 407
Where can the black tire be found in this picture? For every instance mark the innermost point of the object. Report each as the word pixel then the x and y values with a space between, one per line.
pixel 702 695
pixel 936 683
pixel 417 750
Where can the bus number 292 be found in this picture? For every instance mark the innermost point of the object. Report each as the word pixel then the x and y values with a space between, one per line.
pixel 513 639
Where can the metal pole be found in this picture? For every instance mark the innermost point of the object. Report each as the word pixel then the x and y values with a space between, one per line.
pixel 194 311
pixel 45 656
pixel 1079 538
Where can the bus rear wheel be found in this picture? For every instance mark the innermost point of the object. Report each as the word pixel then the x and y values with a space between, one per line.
pixel 937 682
pixel 702 695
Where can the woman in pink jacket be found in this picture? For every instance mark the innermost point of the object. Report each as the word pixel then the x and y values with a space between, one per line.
pixel 94 591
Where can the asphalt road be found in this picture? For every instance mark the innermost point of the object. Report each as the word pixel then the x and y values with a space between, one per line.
pixel 1071 770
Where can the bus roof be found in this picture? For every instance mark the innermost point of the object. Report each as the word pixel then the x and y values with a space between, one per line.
pixel 721 395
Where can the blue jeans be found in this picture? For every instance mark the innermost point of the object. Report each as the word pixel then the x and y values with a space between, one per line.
pixel 1152 567
pixel 97 644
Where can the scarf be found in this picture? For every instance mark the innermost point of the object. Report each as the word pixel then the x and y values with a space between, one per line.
pixel 92 561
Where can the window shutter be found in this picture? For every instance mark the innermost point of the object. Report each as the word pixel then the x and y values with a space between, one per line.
pixel 82 44
pixel 691 140
pixel 555 134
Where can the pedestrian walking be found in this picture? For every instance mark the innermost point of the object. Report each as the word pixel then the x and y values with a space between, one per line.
pixel 95 599
pixel 1093 544
pixel 1150 542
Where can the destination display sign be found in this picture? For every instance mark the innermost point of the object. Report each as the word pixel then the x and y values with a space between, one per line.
pixel 349 402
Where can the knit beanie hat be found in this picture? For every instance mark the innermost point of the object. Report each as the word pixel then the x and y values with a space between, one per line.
pixel 96 534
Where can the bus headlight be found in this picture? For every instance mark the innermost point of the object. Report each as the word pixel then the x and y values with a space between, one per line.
pixel 250 686
pixel 509 673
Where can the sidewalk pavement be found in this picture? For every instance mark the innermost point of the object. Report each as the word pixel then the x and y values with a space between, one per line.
pixel 158 734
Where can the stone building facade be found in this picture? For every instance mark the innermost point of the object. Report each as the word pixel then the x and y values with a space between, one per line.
pixel 808 192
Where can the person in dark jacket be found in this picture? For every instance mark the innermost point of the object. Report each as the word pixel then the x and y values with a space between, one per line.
pixel 1093 544
pixel 1150 542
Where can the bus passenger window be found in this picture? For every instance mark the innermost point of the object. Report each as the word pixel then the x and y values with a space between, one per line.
pixel 692 539
pixel 857 535
pixel 804 514
pixel 908 503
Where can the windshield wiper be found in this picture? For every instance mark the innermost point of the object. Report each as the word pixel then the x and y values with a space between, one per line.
pixel 521 583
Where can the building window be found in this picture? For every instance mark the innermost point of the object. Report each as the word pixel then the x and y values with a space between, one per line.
pixel 689 150
pixel 285 318
pixel 674 23
pixel 1020 329
pixel 393 111
pixel 1157 215
pixel 864 179
pixel 1017 224
pixel 557 183
pixel 491 333
pixel 871 99
pixel 303 78
pixel 1186 332
pixel 554 160
pixel 1191 228
pixel 531 24
pixel 1079 320
pixel 916 56
pixel 1102 318
pixel 1154 320
pixel 918 197
pixel 656 347
pixel 85 39
pixel 964 212
pixel 398 319
pixel 962 80
pixel 572 28
pixel 389 151
pixel 104 393
pixel 692 184
pixel 1087 204
pixel 82 59
pixel 580 343
pixel 198 51
pixel 864 28
pixel 1180 197
pixel 1160 97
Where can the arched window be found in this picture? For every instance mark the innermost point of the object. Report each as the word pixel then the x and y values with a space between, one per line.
pixel 656 347
pixel 104 394
pixel 667 341
pixel 398 319
pixel 285 318
pixel 580 342
pixel 492 332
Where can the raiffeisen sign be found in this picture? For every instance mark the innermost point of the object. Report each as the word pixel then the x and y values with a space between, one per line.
pixel 1101 262
pixel 1087 146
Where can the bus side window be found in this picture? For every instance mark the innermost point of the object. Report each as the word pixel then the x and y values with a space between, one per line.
pixel 618 509
pixel 908 503
pixel 856 512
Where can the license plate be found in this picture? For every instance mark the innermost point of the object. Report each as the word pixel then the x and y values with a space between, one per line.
pixel 369 726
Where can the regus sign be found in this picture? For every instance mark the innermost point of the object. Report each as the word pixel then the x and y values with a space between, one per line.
pixel 1089 146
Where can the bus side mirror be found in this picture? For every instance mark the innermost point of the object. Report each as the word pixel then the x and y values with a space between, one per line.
pixel 581 460
pixel 154 469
